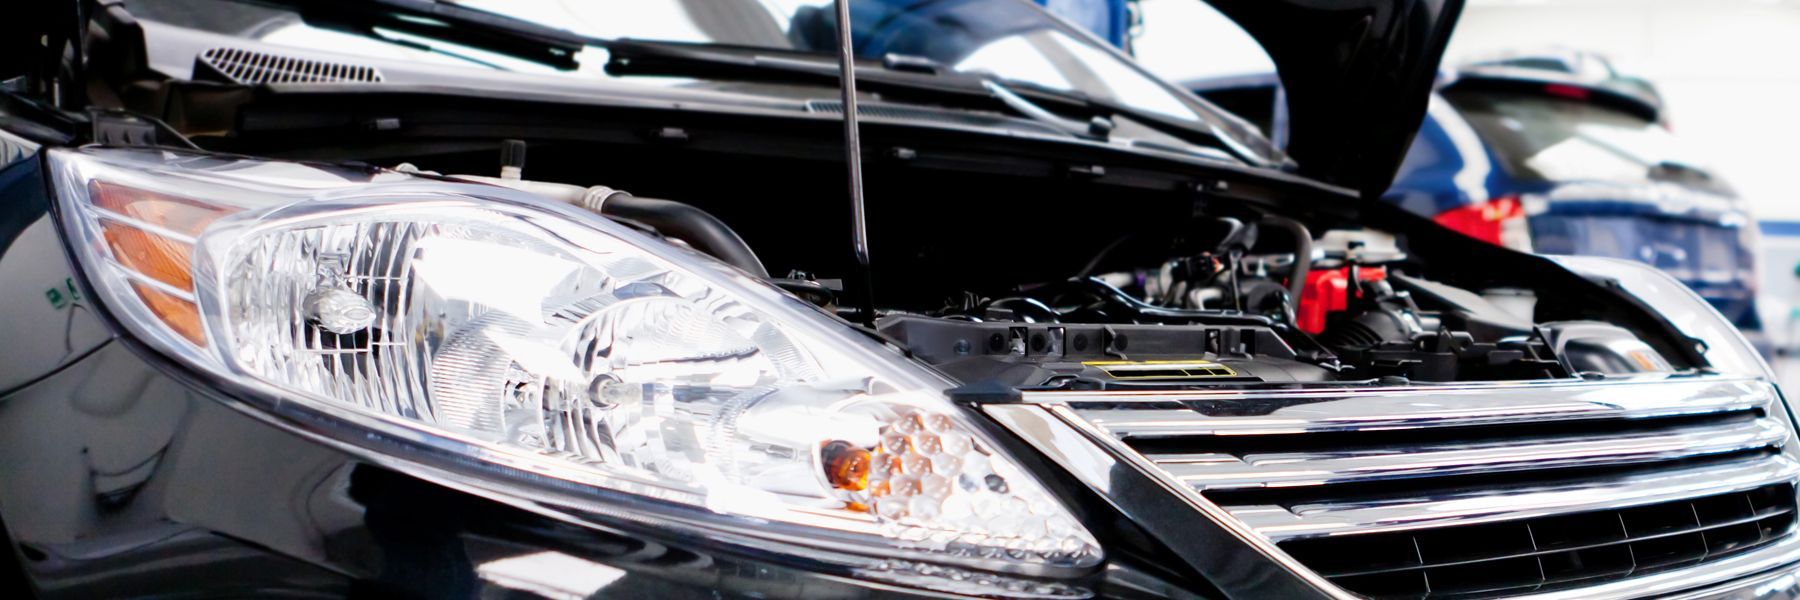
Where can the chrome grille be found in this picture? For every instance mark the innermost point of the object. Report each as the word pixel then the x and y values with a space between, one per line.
pixel 1549 553
pixel 254 68
pixel 1472 490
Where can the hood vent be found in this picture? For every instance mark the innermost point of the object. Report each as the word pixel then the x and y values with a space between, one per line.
pixel 249 67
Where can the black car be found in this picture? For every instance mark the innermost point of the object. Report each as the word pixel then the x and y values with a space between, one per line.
pixel 346 298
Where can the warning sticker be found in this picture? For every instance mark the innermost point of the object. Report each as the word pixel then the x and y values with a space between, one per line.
pixel 1161 369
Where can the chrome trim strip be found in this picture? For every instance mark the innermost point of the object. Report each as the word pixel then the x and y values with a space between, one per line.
pixel 1488 505
pixel 1211 471
pixel 1141 414
pixel 1230 555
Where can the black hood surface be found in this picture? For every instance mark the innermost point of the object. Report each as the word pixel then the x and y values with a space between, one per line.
pixel 1358 75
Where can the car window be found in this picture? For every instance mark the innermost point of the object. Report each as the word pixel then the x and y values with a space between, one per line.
pixel 1537 137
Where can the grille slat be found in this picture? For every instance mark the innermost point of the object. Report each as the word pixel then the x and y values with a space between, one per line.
pixel 1470 491
pixel 1313 515
pixel 1147 415
pixel 1671 541
pixel 1734 433
pixel 1778 516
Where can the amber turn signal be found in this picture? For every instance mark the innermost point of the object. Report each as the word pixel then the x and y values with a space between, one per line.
pixel 144 235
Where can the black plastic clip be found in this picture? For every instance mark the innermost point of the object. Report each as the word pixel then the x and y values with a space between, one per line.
pixel 123 128
pixel 986 392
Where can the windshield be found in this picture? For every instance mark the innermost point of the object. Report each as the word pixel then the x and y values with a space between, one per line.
pixel 1542 138
pixel 1012 40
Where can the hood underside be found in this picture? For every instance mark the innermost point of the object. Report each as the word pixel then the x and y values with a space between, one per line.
pixel 1358 75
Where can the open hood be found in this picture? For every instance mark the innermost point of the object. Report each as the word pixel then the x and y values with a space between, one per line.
pixel 1358 75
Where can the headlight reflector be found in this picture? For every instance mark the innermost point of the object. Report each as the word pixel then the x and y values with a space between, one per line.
pixel 552 342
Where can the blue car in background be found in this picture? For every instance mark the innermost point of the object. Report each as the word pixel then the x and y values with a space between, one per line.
pixel 1111 20
pixel 1558 162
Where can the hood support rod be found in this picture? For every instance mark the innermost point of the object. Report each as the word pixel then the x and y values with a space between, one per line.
pixel 863 279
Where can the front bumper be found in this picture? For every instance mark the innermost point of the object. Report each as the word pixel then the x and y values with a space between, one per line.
pixel 120 480
pixel 1779 584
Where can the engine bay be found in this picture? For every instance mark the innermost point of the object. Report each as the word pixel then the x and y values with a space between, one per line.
pixel 1227 298
pixel 1031 261
pixel 1227 317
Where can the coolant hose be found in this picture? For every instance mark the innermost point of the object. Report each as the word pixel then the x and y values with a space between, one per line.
pixel 1302 254
pixel 684 222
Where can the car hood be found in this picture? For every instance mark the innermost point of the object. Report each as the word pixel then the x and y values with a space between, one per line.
pixel 1358 75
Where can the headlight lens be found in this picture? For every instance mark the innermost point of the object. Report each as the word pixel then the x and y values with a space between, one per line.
pixel 547 341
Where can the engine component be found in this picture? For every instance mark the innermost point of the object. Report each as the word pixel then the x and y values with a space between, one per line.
pixel 1094 301
pixel 1360 246
pixel 1303 250
pixel 697 228
pixel 1098 356
pixel 1382 317
pixel 1383 332
pixel 1328 292
pixel 687 223
pixel 1469 311
pixel 1590 347
pixel 1518 302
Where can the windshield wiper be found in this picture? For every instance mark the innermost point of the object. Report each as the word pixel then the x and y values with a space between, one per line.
pixel 633 57
pixel 445 21
pixel 942 80
pixel 1098 127
pixel 901 76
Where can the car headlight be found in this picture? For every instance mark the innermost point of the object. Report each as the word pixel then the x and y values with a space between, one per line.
pixel 1722 345
pixel 536 338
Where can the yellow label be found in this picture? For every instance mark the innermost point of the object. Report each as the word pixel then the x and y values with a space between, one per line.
pixel 1161 369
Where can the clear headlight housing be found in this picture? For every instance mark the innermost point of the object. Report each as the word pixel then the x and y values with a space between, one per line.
pixel 540 339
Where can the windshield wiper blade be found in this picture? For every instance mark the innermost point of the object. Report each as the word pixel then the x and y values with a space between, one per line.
pixel 912 77
pixel 1098 127
pixel 1194 133
pixel 661 58
pixel 938 79
pixel 634 57
pixel 447 21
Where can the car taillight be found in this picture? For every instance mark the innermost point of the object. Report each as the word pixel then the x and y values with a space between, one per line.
pixel 1567 91
pixel 1500 221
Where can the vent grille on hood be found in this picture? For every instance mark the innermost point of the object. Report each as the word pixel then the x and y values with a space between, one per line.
pixel 250 67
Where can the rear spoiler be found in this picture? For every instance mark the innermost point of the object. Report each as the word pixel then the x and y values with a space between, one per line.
pixel 1533 81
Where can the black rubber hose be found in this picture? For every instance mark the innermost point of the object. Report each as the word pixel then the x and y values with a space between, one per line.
pixel 687 223
pixel 1302 254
